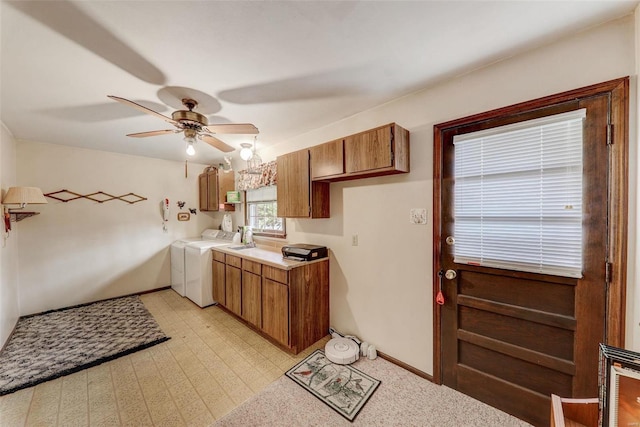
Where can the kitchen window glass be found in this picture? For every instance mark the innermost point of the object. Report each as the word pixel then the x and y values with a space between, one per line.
pixel 261 212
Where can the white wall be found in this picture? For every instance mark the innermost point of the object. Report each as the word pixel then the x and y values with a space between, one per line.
pixel 633 294
pixel 381 290
pixel 9 304
pixel 83 251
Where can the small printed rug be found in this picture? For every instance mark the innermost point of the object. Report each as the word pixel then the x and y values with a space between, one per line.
pixel 342 387
pixel 60 342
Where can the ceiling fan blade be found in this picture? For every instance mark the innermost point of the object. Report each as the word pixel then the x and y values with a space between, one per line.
pixel 215 142
pixel 153 133
pixel 241 128
pixel 144 109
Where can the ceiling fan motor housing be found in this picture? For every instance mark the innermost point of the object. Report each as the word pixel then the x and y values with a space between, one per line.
pixel 183 116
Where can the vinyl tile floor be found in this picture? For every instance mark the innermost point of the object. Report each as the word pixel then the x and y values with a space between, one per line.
pixel 211 364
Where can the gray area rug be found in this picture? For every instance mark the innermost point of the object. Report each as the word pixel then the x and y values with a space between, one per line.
pixel 402 399
pixel 56 343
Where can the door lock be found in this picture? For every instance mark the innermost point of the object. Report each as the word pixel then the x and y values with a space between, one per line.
pixel 450 240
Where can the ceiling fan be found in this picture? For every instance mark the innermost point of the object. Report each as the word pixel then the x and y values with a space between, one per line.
pixel 193 124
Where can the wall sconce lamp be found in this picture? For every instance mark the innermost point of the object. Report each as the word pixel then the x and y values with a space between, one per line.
pixel 21 196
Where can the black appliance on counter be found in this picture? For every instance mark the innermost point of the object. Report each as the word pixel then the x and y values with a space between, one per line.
pixel 304 252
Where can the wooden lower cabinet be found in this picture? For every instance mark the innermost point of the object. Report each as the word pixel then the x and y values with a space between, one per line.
pixel 218 276
pixel 233 279
pixel 251 296
pixel 275 307
pixel 291 306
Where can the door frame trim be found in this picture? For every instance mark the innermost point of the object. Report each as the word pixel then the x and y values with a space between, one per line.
pixel 618 91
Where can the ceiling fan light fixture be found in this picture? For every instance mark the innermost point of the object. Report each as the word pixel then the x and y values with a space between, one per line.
pixel 246 153
pixel 190 139
pixel 190 150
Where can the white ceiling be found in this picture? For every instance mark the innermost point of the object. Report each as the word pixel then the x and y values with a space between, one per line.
pixel 287 67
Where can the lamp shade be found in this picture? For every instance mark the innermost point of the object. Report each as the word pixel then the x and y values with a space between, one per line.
pixel 24 196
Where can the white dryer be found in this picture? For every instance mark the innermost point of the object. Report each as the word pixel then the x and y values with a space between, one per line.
pixel 178 279
pixel 199 266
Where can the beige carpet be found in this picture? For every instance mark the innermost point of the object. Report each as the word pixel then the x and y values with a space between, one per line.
pixel 403 399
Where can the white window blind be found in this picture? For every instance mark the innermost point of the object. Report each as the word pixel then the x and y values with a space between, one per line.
pixel 262 211
pixel 518 196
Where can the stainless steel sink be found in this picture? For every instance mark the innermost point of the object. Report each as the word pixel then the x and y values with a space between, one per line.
pixel 239 248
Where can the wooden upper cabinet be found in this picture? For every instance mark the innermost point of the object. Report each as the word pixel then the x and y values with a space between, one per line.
pixel 226 182
pixel 213 186
pixel 298 197
pixel 203 191
pixel 327 159
pixel 378 151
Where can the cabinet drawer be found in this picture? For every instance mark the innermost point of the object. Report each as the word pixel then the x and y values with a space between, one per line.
pixel 276 274
pixel 252 266
pixel 234 261
pixel 218 256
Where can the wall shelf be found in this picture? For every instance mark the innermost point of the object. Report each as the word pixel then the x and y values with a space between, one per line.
pixel 19 216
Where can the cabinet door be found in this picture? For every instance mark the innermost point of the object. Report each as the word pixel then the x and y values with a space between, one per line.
pixel 233 292
pixel 297 196
pixel 251 298
pixel 226 182
pixel 212 190
pixel 369 150
pixel 327 159
pixel 218 278
pixel 293 185
pixel 275 310
pixel 203 190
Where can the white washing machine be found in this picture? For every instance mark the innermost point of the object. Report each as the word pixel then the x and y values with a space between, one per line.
pixel 198 266
pixel 178 280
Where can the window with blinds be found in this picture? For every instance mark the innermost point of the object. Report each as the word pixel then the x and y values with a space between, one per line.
pixel 518 196
pixel 262 212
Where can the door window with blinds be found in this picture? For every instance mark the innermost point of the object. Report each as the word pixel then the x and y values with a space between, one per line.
pixel 262 210
pixel 518 196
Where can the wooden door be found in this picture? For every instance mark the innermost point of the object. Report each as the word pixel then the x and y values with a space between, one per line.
pixel 251 298
pixel 275 310
pixel 218 278
pixel 509 338
pixel 233 278
pixel 369 150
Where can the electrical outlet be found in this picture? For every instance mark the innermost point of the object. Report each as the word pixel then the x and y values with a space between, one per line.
pixel 354 240
pixel 418 216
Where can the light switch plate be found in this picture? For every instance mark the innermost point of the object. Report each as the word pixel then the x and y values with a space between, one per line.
pixel 418 216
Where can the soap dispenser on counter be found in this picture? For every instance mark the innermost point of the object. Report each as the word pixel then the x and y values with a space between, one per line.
pixel 247 235
pixel 237 238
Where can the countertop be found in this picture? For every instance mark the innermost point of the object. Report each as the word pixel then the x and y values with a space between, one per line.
pixel 264 255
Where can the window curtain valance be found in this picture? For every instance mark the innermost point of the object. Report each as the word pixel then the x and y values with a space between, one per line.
pixel 262 176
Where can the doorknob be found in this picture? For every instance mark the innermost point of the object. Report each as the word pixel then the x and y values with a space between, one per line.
pixel 450 274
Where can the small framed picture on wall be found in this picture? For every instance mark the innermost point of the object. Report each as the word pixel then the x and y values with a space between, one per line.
pixel 184 216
